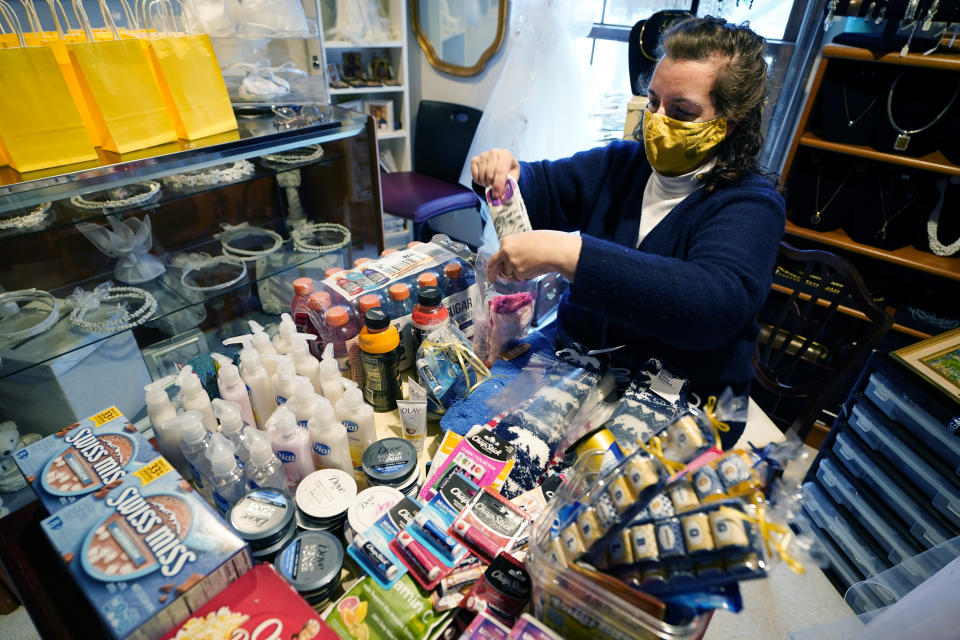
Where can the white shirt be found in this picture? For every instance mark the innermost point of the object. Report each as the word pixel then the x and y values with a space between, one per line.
pixel 663 193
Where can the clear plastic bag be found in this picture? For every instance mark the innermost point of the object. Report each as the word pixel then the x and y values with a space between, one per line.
pixel 502 313
pixel 129 241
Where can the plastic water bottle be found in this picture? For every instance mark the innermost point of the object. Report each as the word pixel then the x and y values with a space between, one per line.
pixel 264 470
pixel 226 477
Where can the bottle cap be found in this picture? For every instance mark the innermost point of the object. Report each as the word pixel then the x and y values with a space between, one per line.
pixel 452 270
pixel 360 261
pixel 287 326
pixel 283 421
pixel 324 413
pixel 157 390
pixel 352 397
pixel 260 339
pixel 283 364
pixel 410 245
pixel 303 286
pixel 427 279
pixel 189 382
pixel 328 364
pixel 228 372
pixel 190 424
pixel 319 300
pixel 376 319
pixel 220 454
pixel 429 297
pixel 258 444
pixel 337 316
pixel 368 301
pixel 332 270
pixel 387 252
pixel 399 291
pixel 228 413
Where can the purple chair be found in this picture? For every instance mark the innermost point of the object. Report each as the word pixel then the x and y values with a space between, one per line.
pixel 441 141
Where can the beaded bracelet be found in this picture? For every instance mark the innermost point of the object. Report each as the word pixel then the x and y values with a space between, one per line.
pixel 190 273
pixel 152 189
pixel 292 157
pixel 123 319
pixel 244 230
pixel 218 175
pixel 33 219
pixel 302 233
pixel 28 296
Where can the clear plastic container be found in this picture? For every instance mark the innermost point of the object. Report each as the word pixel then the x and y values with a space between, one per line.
pixel 872 427
pixel 844 572
pixel 921 525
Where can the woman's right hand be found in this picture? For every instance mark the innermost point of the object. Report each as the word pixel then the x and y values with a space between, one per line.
pixel 491 168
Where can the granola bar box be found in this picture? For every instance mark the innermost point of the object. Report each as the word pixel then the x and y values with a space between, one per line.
pixel 83 458
pixel 261 605
pixel 146 552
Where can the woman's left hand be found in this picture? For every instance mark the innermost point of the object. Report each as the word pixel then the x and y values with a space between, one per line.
pixel 524 256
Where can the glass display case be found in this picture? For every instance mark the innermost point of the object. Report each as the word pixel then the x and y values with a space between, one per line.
pixel 194 239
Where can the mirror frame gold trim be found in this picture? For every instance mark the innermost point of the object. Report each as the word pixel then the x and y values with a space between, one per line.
pixel 503 17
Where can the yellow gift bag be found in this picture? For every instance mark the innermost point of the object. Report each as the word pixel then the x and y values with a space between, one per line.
pixel 124 100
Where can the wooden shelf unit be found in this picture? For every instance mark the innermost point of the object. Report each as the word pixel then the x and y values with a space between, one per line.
pixel 935 161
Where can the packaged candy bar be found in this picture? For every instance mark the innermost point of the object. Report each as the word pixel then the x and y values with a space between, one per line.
pixel 490 524
pixel 503 590
pixel 688 436
pixel 481 456
pixel 371 549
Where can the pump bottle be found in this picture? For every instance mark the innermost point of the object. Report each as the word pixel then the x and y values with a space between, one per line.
pixel 261 342
pixel 302 401
pixel 328 438
pixel 292 446
pixel 226 478
pixel 284 339
pixel 232 387
pixel 262 399
pixel 357 417
pixel 193 397
pixel 307 366
pixel 231 426
pixel 264 469
pixel 283 366
pixel 161 411
pixel 194 440
pixel 328 376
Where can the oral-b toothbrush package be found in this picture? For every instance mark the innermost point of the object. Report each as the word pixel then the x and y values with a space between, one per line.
pixel 371 548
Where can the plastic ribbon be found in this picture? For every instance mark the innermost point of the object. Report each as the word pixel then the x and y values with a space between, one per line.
pixel 655 448
pixel 261 79
pixel 710 409
pixel 465 356
pixel 776 536
pixel 90 300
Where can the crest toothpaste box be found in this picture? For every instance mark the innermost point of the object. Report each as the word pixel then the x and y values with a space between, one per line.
pixel 83 458
pixel 146 552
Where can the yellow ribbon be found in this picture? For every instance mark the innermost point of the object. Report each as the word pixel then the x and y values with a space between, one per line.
pixel 464 356
pixel 655 448
pixel 711 410
pixel 776 537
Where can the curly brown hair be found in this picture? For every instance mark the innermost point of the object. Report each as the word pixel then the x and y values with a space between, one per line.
pixel 739 91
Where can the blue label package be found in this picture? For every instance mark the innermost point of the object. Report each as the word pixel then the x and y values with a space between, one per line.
pixel 83 458
pixel 147 552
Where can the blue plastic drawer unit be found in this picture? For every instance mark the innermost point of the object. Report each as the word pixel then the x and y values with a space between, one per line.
pixel 873 428
pixel 915 419
pixel 843 492
pixel 922 525
pixel 824 514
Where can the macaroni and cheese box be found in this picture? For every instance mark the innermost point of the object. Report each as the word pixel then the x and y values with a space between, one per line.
pixel 83 457
pixel 146 552
pixel 261 604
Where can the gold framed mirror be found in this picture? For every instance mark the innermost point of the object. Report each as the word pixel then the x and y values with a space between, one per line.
pixel 456 38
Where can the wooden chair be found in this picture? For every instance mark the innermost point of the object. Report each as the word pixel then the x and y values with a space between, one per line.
pixel 798 358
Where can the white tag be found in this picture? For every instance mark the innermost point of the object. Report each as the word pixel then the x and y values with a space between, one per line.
pixel 667 386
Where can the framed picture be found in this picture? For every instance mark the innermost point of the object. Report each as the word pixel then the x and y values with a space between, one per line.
pixel 382 112
pixel 937 359
pixel 352 65
pixel 162 358
pixel 381 69
pixel 336 79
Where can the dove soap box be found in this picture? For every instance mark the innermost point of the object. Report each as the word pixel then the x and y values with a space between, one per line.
pixel 83 457
pixel 147 552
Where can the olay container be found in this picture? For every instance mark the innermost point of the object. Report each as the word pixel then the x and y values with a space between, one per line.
pixel 323 498
pixel 311 563
pixel 264 520
pixel 392 462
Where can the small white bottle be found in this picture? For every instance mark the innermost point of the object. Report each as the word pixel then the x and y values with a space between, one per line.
pixel 328 438
pixel 302 402
pixel 292 446
pixel 262 399
pixel 261 342
pixel 232 387
pixel 194 397
pixel 357 417
pixel 226 477
pixel 283 341
pixel 307 366
pixel 328 376
pixel 283 365
pixel 231 426
pixel 161 410
pixel 194 440
pixel 264 469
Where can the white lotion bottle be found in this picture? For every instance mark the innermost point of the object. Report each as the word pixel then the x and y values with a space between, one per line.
pixel 283 365
pixel 255 375
pixel 307 366
pixel 232 387
pixel 302 402
pixel 193 397
pixel 283 341
pixel 292 446
pixel 328 376
pixel 328 438
pixel 231 426
pixel 194 440
pixel 357 417
pixel 226 478
pixel 261 342
pixel 160 409
pixel 264 469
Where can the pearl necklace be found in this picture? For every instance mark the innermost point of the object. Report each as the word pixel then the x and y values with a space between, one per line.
pixel 222 174
pixel 28 296
pixel 293 156
pixel 301 235
pixel 152 189
pixel 35 218
pixel 933 228
pixel 121 319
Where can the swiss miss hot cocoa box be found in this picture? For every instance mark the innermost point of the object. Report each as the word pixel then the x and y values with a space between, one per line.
pixel 146 552
pixel 83 457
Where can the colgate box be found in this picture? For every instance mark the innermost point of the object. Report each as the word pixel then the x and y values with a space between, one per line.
pixel 147 552
pixel 261 605
pixel 82 458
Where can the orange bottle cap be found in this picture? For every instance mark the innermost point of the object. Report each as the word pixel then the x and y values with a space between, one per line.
pixel 303 286
pixel 319 300
pixel 368 301
pixel 427 279
pixel 360 261
pixel 387 252
pixel 337 316
pixel 452 269
pixel 332 270
pixel 399 291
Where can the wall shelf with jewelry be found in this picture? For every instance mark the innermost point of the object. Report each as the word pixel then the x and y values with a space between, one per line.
pixel 874 172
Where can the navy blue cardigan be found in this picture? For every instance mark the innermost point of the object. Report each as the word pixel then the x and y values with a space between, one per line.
pixel 690 293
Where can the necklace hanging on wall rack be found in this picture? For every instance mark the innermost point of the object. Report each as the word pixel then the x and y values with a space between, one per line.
pixel 846 108
pixel 818 214
pixel 933 228
pixel 36 218
pixel 881 234
pixel 903 137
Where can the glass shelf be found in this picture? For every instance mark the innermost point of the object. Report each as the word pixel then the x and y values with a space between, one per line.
pixel 257 134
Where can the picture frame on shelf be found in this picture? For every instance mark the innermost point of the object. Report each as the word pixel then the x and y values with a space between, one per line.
pixel 382 112
pixel 163 357
pixel 335 77
pixel 352 66
pixel 937 360
pixel 380 69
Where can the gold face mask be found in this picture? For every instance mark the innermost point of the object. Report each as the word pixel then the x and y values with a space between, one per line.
pixel 675 147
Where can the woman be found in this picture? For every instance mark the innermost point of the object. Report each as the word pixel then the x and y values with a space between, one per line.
pixel 679 235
